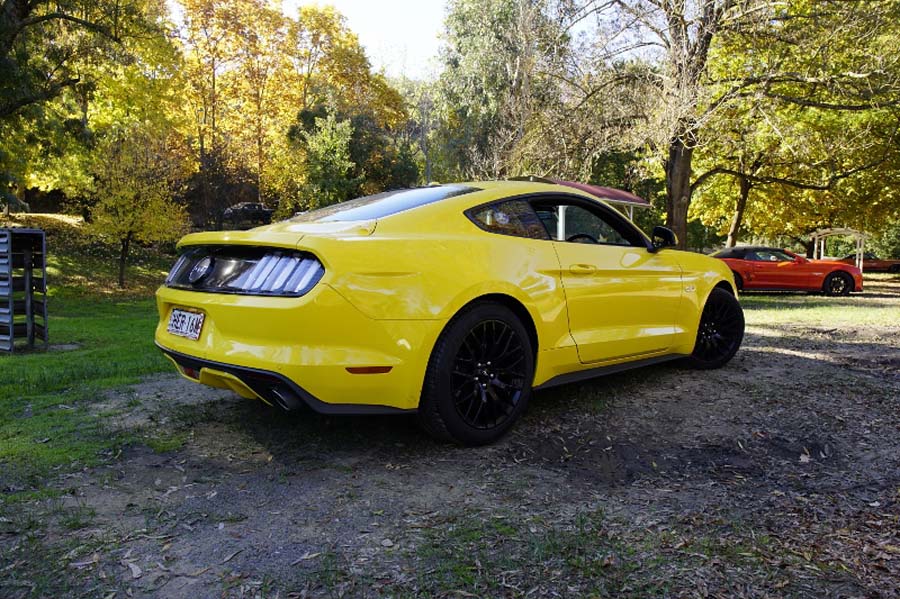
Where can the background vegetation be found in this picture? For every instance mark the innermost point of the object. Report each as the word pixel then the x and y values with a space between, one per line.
pixel 736 118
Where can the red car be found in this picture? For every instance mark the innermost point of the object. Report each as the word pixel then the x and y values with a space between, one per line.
pixel 872 263
pixel 773 269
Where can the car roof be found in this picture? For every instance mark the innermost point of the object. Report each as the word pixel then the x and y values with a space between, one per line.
pixel 458 196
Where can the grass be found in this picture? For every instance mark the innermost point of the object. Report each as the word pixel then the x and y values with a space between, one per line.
pixel 45 421
pixel 871 308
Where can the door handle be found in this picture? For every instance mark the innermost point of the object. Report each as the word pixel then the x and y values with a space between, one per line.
pixel 582 269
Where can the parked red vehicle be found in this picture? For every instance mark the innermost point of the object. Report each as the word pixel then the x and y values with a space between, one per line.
pixel 872 263
pixel 774 269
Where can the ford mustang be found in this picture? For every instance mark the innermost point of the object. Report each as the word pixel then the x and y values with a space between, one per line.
pixel 773 269
pixel 451 301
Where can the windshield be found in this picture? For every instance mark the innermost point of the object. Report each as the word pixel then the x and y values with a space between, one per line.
pixel 383 204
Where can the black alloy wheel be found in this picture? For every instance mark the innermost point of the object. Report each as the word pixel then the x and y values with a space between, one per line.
pixel 720 332
pixel 837 283
pixel 488 374
pixel 479 377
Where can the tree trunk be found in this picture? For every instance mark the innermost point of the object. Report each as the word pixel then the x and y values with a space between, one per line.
pixel 123 258
pixel 738 217
pixel 678 189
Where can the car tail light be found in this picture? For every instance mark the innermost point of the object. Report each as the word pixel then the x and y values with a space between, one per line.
pixel 246 270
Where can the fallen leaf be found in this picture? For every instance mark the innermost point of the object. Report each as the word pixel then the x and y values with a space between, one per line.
pixel 136 571
pixel 231 556
pixel 85 563
pixel 306 556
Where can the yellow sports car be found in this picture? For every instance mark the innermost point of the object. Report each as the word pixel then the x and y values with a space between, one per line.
pixel 452 301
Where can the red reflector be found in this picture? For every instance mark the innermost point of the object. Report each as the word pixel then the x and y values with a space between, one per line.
pixel 369 369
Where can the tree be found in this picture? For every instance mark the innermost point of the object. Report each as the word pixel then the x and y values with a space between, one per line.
pixel 793 170
pixel 261 65
pixel 50 56
pixel 137 171
pixel 828 54
pixel 33 69
pixel 494 81
pixel 328 164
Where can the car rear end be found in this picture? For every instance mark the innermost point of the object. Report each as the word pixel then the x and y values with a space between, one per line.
pixel 255 312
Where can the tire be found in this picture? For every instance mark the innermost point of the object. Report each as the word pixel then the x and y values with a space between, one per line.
pixel 738 281
pixel 719 333
pixel 837 283
pixel 479 376
pixel 894 269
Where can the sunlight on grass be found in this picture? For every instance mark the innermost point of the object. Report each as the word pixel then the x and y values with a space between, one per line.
pixel 876 306
pixel 44 417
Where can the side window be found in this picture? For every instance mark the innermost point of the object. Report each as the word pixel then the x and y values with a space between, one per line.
pixel 773 256
pixel 512 217
pixel 575 223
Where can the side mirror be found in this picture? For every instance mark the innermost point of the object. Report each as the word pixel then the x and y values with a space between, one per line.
pixel 663 237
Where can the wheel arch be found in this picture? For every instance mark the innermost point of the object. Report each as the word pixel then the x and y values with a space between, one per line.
pixel 514 305
pixel 723 285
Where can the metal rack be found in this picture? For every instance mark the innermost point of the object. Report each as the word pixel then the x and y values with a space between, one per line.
pixel 23 288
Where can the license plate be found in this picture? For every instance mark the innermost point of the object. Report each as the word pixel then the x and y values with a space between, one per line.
pixel 185 324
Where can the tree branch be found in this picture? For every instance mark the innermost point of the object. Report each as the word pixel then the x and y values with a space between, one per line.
pixel 60 16
pixel 785 181
pixel 47 93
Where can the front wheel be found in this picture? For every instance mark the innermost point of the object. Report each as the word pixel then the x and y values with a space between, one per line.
pixel 837 283
pixel 479 376
pixel 720 332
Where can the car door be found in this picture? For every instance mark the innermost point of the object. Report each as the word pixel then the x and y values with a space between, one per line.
pixel 622 299
pixel 775 269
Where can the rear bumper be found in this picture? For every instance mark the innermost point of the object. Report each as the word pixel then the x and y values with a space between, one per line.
pixel 317 349
pixel 271 387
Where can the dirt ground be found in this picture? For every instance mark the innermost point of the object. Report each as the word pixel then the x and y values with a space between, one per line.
pixel 778 475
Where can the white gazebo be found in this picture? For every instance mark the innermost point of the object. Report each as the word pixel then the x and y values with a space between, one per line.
pixel 818 242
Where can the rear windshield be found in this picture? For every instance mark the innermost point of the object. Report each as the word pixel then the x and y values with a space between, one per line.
pixel 383 204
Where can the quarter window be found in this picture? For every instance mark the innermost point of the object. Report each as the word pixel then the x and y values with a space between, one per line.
pixel 512 217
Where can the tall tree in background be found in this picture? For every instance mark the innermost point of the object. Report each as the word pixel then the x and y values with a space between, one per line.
pixel 495 81
pixel 817 130
pixel 831 55
pixel 261 34
pixel 48 49
pixel 208 33
pixel 34 70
